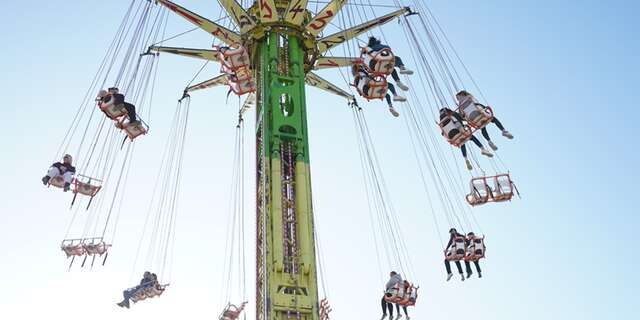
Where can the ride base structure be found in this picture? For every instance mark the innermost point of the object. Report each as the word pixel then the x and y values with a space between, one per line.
pixel 283 44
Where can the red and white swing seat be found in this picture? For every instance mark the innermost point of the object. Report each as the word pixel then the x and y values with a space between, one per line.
pixel 450 123
pixel 133 130
pixel 402 295
pixel 457 250
pixel 476 249
pixel 233 57
pixel 240 81
pixel 384 61
pixel 81 247
pixel 112 110
pixel 482 193
pixel 477 115
pixel 378 87
pixel 144 293
pixel 84 188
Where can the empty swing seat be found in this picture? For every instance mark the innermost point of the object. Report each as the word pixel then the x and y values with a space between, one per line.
pixel 476 114
pixel 476 249
pixel 133 129
pixel 480 192
pixel 457 250
pixel 112 110
pixel 455 132
pixel 98 249
pixel 503 187
pixel 89 188
pixel 380 62
pixel 73 250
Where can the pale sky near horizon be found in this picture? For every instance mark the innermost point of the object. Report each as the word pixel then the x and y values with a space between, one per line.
pixel 559 73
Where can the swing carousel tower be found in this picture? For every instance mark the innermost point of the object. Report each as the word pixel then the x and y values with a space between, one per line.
pixel 284 43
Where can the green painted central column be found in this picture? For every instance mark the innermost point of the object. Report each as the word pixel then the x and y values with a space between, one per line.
pixel 285 266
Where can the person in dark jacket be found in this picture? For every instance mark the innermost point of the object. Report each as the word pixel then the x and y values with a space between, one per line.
pixel 146 282
pixel 375 45
pixel 469 241
pixel 64 169
pixel 453 234
pixel 114 93
pixel 450 115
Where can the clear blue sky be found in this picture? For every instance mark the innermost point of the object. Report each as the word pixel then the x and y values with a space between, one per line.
pixel 562 76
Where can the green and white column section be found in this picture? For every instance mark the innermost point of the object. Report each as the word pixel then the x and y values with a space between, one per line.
pixel 286 267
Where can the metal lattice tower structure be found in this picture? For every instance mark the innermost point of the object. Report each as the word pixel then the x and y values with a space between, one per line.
pixel 285 44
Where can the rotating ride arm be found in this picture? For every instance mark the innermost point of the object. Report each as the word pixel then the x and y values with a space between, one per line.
pixel 223 34
pixel 204 54
pixel 338 38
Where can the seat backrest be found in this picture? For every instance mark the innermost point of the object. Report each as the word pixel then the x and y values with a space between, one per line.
pixel 377 88
pixel 503 187
pixel 480 188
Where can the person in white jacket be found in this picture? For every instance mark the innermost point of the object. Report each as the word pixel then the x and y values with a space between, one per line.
pixel 394 279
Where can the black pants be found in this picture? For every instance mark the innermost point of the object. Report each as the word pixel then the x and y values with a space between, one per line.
pixel 468 266
pixel 475 140
pixel 447 264
pixel 498 124
pixel 404 308
pixel 131 110
pixel 387 306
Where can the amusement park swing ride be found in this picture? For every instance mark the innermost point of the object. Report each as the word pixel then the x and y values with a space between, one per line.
pixel 268 52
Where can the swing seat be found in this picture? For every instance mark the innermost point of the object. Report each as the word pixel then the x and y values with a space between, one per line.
pixel 480 193
pixel 457 250
pixel 240 81
pixel 393 295
pixel 96 248
pixel 57 182
pixel 144 293
pixel 455 132
pixel 72 250
pixel 234 58
pixel 133 129
pixel 503 187
pixel 475 250
pixel 112 110
pixel 384 61
pixel 477 115
pixel 410 297
pixel 378 87
pixel 86 189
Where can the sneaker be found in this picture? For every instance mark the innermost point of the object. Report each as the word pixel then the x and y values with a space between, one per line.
pixel 120 304
pixel 449 276
pixel 394 112
pixel 507 134
pixel 404 70
pixel 462 276
pixel 408 317
pixel 486 152
pixel 398 316
pixel 479 275
pixel 399 98
pixel 402 86
pixel 384 315
pixel 493 146
pixel 469 166
pixel 45 180
pixel 66 187
pixel 469 275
